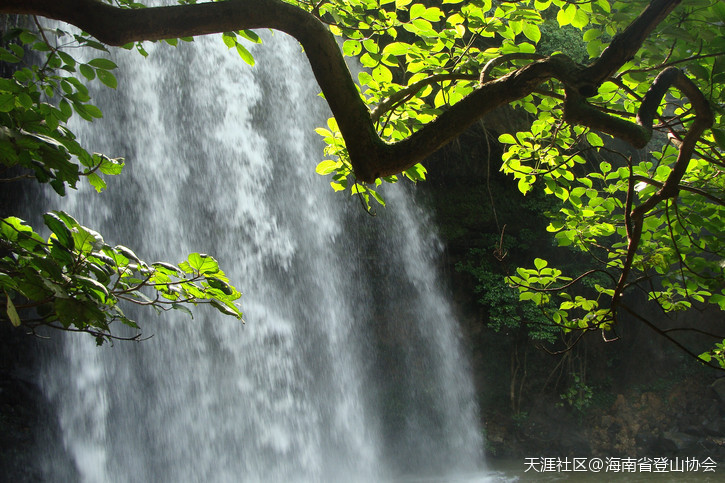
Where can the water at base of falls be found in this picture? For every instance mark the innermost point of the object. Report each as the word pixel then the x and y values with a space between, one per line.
pixel 349 366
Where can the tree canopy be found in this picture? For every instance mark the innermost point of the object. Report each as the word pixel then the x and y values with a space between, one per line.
pixel 624 101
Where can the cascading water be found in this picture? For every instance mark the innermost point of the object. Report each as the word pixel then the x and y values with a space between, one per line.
pixel 349 366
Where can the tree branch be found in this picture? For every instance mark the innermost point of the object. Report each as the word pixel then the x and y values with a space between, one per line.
pixel 371 158
pixel 671 77
pixel 625 45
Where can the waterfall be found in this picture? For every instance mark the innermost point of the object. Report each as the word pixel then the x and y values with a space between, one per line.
pixel 349 366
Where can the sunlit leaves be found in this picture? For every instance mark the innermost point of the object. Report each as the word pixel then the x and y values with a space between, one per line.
pixel 231 40
pixel 717 354
pixel 78 281
pixel 403 43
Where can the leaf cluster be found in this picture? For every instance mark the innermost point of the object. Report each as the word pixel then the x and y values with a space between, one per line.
pixel 38 100
pixel 420 59
pixel 75 281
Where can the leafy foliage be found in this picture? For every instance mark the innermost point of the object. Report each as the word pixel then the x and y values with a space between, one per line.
pixel 419 60
pixel 501 300
pixel 34 138
pixel 74 280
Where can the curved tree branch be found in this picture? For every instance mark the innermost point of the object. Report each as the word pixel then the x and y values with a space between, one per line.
pixel 370 156
pixel 671 77
pixel 625 45
pixel 116 26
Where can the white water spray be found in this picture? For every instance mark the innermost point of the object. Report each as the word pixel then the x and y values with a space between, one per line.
pixel 349 367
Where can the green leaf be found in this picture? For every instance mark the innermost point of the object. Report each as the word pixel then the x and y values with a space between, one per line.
pixel 7 102
pixel 245 54
pixel 101 63
pixel 377 197
pixel 594 139
pixel 97 182
pixel 166 268
pixel 185 309
pixel 229 39
pixel 351 48
pixel 326 167
pixel 591 34
pixel 382 74
pixel 12 313
pixel 111 166
pixel 524 184
pixel 127 252
pixel 220 285
pixel 225 309
pixel 60 230
pixel 203 263
pixel 107 78
pixel 98 289
pixel 507 139
pixel 86 240
pixel 250 35
pixel 396 48
pixel 87 71
pixel 371 46
pixel 532 32
pixel 433 14
pixel 719 135
pixel 540 263
pixel 27 37
pixel 416 10
pixel 87 111
pixel 565 15
pixel 580 19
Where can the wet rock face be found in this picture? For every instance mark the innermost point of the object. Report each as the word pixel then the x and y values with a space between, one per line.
pixel 20 403
pixel 689 420
pixel 686 420
pixel 28 427
pixel 718 388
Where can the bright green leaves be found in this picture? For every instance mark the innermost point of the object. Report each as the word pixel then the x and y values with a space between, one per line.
pixel 419 60
pixel 341 170
pixel 61 232
pixel 199 264
pixel 531 31
pixel 76 281
pixel 545 286
pixel 12 313
pixel 717 354
pixel 572 15
pixel 231 40
pixel 432 14
pixel 501 300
